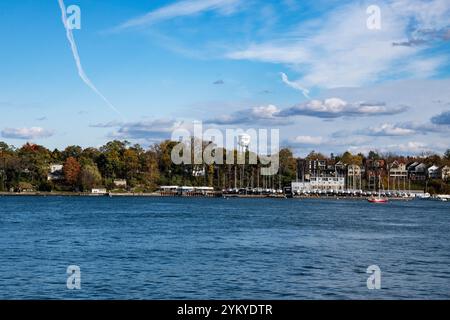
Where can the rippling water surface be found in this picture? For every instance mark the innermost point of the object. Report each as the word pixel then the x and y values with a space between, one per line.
pixel 191 248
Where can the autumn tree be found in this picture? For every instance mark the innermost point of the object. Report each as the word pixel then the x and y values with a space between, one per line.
pixel 71 171
pixel 348 158
pixel 130 163
pixel 313 155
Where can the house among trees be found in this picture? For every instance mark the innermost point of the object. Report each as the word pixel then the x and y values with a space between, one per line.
pixel 444 173
pixel 56 172
pixel 120 183
pixel 354 178
pixel 433 172
pixel 119 164
pixel 417 171
pixel 375 169
pixel 397 175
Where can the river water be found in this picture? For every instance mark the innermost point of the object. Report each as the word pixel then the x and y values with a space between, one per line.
pixel 195 248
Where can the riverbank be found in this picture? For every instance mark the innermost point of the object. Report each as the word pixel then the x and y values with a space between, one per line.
pixel 189 195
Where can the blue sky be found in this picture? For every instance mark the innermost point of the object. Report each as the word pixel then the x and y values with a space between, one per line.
pixel 313 69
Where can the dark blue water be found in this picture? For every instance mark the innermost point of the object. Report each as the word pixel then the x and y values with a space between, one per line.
pixel 171 248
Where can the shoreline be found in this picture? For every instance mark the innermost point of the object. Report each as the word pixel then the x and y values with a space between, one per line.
pixel 159 195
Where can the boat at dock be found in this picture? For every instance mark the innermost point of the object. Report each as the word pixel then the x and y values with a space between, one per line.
pixel 377 199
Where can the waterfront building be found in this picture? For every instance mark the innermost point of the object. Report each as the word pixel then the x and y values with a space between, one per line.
pixel 417 171
pixel 354 177
pixel 433 172
pixel 198 171
pixel 120 183
pixel 99 191
pixel 397 175
pixel 375 169
pixel 319 184
pixel 444 173
pixel 56 172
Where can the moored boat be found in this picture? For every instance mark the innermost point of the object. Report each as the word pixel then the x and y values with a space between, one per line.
pixel 377 200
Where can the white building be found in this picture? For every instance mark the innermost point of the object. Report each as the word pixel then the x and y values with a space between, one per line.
pixel 444 172
pixel 56 172
pixel 319 183
pixel 99 191
pixel 120 183
pixel 433 172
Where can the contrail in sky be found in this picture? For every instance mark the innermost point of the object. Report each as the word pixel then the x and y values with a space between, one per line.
pixel 295 85
pixel 76 56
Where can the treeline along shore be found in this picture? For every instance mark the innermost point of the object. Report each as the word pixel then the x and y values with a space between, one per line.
pixel 122 168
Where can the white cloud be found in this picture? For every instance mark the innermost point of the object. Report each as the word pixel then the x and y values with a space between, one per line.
pixel 387 129
pixel 339 50
pixel 26 133
pixel 407 148
pixel 308 140
pixel 180 9
pixel 267 114
pixel 336 107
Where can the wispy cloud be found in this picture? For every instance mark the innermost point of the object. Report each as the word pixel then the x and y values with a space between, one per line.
pixel 26 133
pixel 295 85
pixel 386 130
pixel 307 140
pixel 406 148
pixel 219 82
pixel 76 56
pixel 311 142
pixel 147 130
pixel 339 50
pixel 180 9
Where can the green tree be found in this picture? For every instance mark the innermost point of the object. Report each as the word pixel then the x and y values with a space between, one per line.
pixel 130 163
pixel 90 177
pixel 373 155
pixel 72 151
pixel 288 166
pixel 35 163
pixel 151 170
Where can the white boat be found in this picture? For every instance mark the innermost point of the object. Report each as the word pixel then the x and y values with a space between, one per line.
pixel 423 196
pixel 442 197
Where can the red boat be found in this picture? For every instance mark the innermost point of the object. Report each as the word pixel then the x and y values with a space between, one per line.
pixel 377 200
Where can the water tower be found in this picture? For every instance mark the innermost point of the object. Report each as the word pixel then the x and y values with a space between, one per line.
pixel 244 142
